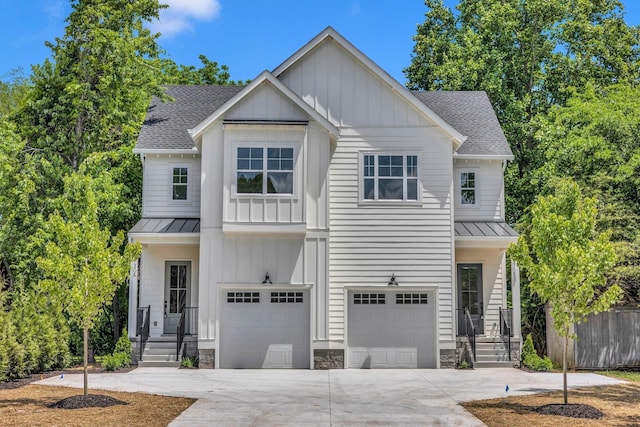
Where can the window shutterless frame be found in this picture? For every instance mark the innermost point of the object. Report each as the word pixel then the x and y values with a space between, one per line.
pixel 389 177
pixel 468 187
pixel 179 182
pixel 265 170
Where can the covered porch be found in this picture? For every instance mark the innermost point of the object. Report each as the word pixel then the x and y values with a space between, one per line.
pixel 164 289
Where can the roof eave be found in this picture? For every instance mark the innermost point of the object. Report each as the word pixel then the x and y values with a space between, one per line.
pixel 483 156
pixel 193 150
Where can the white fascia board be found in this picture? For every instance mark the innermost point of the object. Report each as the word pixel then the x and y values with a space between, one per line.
pixel 265 76
pixel 484 242
pixel 329 32
pixel 193 150
pixel 483 156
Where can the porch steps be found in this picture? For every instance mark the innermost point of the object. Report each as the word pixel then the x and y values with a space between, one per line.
pixel 160 352
pixel 492 353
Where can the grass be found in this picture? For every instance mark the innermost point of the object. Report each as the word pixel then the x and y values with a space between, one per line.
pixel 618 402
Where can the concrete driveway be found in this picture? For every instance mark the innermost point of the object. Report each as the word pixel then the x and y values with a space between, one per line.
pixel 336 397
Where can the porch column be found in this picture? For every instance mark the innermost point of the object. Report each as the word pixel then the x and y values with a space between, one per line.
pixel 133 298
pixel 515 298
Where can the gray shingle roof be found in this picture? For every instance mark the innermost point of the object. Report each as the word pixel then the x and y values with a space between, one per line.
pixel 166 123
pixel 471 114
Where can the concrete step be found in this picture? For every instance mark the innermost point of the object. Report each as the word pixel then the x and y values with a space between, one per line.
pixel 158 364
pixel 156 350
pixel 160 357
pixel 160 344
pixel 479 365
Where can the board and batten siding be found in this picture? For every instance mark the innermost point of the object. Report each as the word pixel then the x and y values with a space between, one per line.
pixel 345 92
pixel 157 199
pixel 152 279
pixel 372 241
pixel 489 190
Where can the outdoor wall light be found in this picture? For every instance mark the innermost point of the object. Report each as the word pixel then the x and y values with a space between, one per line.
pixel 393 281
pixel 267 280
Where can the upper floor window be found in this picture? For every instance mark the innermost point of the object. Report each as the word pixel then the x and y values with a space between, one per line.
pixel 180 182
pixel 467 188
pixel 390 177
pixel 264 170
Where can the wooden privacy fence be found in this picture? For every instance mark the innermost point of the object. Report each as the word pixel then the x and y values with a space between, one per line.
pixel 608 340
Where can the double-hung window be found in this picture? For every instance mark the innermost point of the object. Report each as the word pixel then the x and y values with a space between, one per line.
pixel 467 188
pixel 180 183
pixel 264 170
pixel 390 177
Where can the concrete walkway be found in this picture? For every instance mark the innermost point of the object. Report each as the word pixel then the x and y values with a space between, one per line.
pixel 336 397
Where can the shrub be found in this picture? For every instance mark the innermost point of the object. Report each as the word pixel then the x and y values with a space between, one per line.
pixel 187 362
pixel 123 346
pixel 530 358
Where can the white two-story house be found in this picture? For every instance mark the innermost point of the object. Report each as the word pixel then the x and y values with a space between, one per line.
pixel 321 216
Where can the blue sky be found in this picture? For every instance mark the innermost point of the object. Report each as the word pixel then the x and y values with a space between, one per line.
pixel 249 36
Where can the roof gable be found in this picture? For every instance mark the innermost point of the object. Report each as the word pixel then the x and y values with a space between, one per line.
pixel 265 76
pixel 329 34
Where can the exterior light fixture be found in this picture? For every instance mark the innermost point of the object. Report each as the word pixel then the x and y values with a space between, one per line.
pixel 393 281
pixel 267 280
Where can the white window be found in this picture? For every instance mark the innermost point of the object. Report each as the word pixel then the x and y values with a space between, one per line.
pixel 390 177
pixel 243 297
pixel 264 170
pixel 180 183
pixel 467 188
pixel 369 299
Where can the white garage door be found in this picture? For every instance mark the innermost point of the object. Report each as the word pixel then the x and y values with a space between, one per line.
pixel 392 329
pixel 264 329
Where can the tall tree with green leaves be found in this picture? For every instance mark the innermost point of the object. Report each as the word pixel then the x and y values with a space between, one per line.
pixel 593 139
pixel 567 260
pixel 83 263
pixel 210 73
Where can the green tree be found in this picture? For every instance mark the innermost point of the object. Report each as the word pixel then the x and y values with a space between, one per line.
pixel 594 140
pixel 83 262
pixel 567 260
pixel 210 73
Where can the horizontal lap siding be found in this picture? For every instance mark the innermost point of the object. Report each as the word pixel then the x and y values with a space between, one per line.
pixel 489 190
pixel 156 194
pixel 369 242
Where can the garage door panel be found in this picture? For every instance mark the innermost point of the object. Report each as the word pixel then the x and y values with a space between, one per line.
pixel 268 333
pixel 390 335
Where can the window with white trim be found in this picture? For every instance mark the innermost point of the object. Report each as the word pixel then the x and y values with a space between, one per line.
pixel 390 177
pixel 180 183
pixel 264 170
pixel 286 297
pixel 467 188
pixel 413 298
pixel 371 299
pixel 243 297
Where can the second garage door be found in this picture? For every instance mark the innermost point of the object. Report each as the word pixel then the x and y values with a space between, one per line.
pixel 264 329
pixel 392 329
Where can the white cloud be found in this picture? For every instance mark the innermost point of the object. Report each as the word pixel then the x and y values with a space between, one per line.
pixel 181 14
pixel 355 8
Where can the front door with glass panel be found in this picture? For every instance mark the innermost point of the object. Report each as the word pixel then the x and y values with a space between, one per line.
pixel 176 295
pixel 470 297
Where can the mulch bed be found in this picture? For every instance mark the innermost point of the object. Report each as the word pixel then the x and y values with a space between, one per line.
pixel 88 401
pixel 93 369
pixel 571 410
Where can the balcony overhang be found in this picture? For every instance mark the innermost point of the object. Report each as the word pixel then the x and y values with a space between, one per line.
pixel 484 234
pixel 184 231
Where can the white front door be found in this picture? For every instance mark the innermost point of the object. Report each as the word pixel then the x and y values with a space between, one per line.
pixel 392 329
pixel 177 286
pixel 264 328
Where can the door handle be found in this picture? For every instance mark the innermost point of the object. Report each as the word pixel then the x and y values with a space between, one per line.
pixel 165 308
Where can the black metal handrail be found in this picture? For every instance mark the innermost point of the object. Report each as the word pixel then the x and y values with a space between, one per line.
pixel 467 327
pixel 471 331
pixel 187 325
pixel 506 317
pixel 142 326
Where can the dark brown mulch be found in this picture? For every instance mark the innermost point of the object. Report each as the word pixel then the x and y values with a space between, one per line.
pixel 88 401
pixel 572 410
pixel 93 369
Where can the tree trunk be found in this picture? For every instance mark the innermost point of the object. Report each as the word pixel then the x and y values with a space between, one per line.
pixel 564 367
pixel 115 306
pixel 86 360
